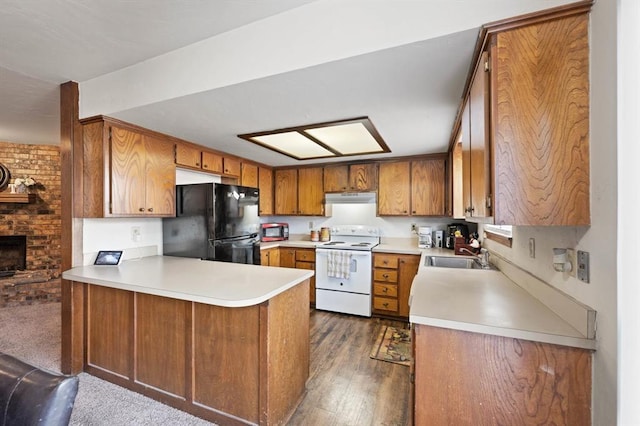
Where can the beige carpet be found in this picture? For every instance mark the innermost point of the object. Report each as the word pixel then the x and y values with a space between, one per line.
pixel 32 333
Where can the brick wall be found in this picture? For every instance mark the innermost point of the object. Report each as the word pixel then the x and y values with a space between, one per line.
pixel 39 221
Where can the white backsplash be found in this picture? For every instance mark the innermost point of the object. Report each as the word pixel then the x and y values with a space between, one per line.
pixel 115 234
pixel 360 214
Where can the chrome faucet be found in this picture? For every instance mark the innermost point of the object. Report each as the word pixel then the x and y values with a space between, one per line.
pixel 483 256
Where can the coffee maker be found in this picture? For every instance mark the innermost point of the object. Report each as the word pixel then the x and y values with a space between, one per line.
pixel 424 237
pixel 450 238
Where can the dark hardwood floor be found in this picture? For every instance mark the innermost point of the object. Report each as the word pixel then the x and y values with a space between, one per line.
pixel 345 386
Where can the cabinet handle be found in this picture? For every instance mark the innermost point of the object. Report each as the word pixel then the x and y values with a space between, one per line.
pixel 404 211
pixel 141 209
pixel 197 164
pixel 384 290
pixel 386 304
pixel 386 262
pixel 151 209
pixel 385 276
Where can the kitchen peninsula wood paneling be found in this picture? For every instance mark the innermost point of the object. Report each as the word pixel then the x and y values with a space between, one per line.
pixel 126 171
pixel 226 365
pixel 473 378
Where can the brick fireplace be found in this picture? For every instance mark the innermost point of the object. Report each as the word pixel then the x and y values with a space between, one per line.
pixel 37 225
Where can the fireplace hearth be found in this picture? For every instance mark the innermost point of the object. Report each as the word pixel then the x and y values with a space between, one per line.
pixel 13 254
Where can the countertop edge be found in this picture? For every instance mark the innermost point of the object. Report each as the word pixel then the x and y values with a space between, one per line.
pixel 200 298
pixel 576 342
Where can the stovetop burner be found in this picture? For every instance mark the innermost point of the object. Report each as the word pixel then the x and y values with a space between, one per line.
pixel 353 237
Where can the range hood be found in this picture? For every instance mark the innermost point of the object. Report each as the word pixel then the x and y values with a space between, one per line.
pixel 350 198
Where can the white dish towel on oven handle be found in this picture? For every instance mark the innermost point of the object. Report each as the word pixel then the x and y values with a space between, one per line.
pixel 339 264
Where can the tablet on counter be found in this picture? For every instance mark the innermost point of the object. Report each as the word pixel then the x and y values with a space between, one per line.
pixel 108 257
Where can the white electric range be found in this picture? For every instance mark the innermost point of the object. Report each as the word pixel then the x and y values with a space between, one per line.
pixel 343 270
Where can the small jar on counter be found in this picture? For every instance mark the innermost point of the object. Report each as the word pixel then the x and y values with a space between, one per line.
pixel 325 234
pixel 315 236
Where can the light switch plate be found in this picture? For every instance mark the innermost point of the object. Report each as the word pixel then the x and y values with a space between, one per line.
pixel 583 266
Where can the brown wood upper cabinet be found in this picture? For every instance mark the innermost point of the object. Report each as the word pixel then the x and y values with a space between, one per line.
pixel 299 192
pixel 474 142
pixel 535 116
pixel 249 175
pixel 192 156
pixel 265 185
pixel 126 172
pixel 412 188
pixel 354 177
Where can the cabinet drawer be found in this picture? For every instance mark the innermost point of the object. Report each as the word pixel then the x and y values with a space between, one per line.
pixel 306 255
pixel 385 304
pixel 385 275
pixel 385 261
pixel 388 290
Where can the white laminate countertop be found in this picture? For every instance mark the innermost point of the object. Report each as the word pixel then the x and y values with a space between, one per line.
pixel 486 301
pixel 204 281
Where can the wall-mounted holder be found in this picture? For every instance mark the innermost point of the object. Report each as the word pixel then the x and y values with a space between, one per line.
pixel 561 261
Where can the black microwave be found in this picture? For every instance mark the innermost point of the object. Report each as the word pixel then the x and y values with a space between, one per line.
pixel 276 231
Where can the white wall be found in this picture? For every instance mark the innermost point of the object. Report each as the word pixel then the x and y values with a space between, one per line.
pixel 115 234
pixel 628 204
pixel 600 238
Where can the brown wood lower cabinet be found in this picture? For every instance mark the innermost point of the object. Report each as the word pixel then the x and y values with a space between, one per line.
pixel 226 365
pixel 463 378
pixel 392 278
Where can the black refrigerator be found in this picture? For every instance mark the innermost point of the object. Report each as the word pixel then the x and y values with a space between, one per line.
pixel 214 222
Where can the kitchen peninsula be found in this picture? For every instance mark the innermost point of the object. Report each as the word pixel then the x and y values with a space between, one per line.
pixel 211 338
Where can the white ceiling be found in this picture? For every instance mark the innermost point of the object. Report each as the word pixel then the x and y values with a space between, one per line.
pixel 206 71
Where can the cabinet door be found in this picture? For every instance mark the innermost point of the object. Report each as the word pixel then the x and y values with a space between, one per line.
pixel 270 257
pixel 336 178
pixel 231 166
pixel 212 162
pixel 189 156
pixel 363 177
pixel 265 185
pixel 128 183
pixel 287 257
pixel 160 175
pixel 249 175
pixel 428 187
pixel 310 191
pixel 286 192
pixel 407 270
pixel 540 94
pixel 465 153
pixel 479 141
pixel 394 191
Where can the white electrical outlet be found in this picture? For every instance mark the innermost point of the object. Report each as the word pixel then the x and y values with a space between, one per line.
pixel 135 234
pixel 532 248
pixel 311 224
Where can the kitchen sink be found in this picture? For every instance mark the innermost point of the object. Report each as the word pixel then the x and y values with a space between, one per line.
pixel 452 262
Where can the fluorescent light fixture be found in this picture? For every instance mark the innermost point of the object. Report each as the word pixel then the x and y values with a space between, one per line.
pixel 354 136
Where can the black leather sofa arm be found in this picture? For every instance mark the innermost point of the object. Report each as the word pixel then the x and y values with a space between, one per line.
pixel 32 396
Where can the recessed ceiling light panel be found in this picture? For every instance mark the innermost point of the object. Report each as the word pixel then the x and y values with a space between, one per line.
pixel 295 144
pixel 355 136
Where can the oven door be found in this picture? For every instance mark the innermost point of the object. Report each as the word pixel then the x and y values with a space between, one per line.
pixel 349 296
